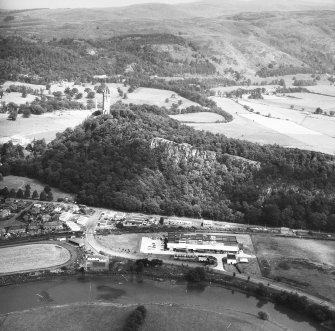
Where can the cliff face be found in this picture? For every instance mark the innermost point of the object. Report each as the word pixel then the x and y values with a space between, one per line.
pixel 183 152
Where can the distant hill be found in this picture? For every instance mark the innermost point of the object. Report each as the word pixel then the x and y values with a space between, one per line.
pixel 256 36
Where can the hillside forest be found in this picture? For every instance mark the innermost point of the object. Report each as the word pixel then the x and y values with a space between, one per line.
pixel 110 161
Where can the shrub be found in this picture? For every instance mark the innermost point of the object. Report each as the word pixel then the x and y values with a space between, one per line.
pixel 263 315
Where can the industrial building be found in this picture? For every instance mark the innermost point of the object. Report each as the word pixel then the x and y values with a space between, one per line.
pixel 202 243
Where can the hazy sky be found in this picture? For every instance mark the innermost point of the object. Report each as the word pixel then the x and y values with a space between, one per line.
pixel 21 4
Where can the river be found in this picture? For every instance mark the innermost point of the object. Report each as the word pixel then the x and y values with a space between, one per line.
pixel 89 289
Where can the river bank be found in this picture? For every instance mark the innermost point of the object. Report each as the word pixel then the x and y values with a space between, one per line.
pixel 175 275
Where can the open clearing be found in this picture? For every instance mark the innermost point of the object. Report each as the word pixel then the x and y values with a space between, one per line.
pixel 29 257
pixel 125 241
pixel 41 126
pixel 156 97
pixel 203 117
pixel 104 317
pixel 17 182
pixel 307 264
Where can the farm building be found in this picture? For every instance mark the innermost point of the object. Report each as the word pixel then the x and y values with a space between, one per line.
pixel 97 262
pixel 202 243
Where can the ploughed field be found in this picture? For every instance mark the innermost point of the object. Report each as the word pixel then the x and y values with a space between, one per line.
pixel 30 257
pixel 304 263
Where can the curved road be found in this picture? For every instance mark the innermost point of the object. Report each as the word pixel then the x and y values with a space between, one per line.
pixel 91 243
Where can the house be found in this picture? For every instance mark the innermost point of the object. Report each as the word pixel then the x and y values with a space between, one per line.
pixel 132 222
pixel 97 263
pixel 4 213
pixel 53 226
pixel 17 227
pixel 231 259
pixel 46 218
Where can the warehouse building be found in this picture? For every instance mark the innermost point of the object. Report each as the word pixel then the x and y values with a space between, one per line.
pixel 202 243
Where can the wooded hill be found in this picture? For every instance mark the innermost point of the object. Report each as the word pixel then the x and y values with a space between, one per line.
pixel 111 161
pixel 80 60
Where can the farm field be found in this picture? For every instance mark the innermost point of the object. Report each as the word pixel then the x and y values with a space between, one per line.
pixel 319 123
pixel 243 128
pixel 317 134
pixel 17 182
pixel 156 97
pixel 102 316
pixel 306 264
pixel 41 126
pixel 323 89
pixel 29 257
pixel 203 117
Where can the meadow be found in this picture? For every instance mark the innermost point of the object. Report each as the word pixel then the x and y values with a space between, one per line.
pixel 204 117
pixel 304 263
pixel 108 316
pixel 41 126
pixel 18 182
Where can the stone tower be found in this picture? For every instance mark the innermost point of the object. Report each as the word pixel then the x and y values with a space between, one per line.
pixel 106 100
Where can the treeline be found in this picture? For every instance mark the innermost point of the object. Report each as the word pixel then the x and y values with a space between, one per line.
pixel 107 161
pixel 283 70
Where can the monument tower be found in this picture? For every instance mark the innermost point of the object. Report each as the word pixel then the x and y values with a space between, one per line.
pixel 106 100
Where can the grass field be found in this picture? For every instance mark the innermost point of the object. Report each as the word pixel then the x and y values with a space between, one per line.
pixel 125 241
pixel 205 117
pixel 156 97
pixel 35 256
pixel 307 264
pixel 108 317
pixel 41 126
pixel 17 182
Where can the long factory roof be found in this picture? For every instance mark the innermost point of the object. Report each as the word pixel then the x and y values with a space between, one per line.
pixel 200 238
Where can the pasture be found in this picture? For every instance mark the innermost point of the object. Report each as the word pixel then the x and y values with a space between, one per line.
pixel 203 117
pixel 41 126
pixel 157 97
pixel 17 182
pixel 106 316
pixel 304 263
pixel 32 257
